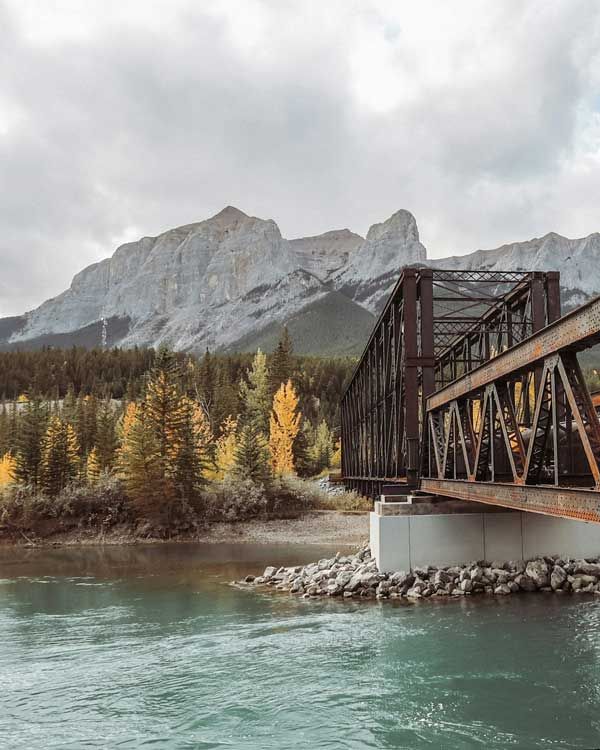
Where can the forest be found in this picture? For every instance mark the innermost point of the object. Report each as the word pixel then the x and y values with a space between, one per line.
pixel 162 435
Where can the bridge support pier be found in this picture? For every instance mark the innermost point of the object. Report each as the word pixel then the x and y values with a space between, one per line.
pixel 402 539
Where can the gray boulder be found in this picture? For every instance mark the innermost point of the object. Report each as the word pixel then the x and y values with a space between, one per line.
pixel 539 573
pixel 557 577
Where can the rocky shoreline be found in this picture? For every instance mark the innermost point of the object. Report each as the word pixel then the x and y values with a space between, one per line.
pixel 356 576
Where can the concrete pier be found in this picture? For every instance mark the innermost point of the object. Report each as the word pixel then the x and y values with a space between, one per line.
pixel 403 537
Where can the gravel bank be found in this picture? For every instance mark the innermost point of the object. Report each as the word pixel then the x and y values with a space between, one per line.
pixel 356 576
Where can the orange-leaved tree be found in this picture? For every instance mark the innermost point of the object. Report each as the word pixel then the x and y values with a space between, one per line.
pixel 284 425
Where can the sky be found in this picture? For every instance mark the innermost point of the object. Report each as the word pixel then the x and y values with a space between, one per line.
pixel 123 118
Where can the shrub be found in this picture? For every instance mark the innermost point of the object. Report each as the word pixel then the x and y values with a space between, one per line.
pixel 235 499
pixel 102 504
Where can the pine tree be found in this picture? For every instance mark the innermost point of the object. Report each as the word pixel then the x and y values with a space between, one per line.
pixel 323 446
pixel 284 425
pixel 139 463
pixel 106 437
pixel 251 456
pixel 165 415
pixel 281 362
pixel 255 394
pixel 226 398
pixel 206 382
pixel 60 456
pixel 28 443
pixel 303 458
pixel 190 457
pixel 6 440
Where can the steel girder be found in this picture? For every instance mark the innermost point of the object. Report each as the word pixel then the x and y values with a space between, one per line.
pixel 435 326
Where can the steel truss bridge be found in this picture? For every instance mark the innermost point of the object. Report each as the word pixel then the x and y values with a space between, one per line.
pixel 469 387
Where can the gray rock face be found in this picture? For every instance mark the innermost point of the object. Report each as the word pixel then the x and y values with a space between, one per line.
pixel 216 282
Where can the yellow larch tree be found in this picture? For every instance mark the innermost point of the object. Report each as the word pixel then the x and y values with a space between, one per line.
pixel 7 469
pixel 92 466
pixel 225 449
pixel 284 425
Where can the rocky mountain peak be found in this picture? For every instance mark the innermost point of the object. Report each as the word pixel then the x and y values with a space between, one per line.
pixel 401 226
pixel 229 215
pixel 230 278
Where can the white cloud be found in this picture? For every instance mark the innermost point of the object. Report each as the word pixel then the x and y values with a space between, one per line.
pixel 117 117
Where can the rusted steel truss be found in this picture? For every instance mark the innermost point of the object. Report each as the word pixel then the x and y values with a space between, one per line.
pixel 521 429
pixel 437 325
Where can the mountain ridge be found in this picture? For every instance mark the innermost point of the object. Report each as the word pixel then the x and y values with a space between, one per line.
pixel 233 279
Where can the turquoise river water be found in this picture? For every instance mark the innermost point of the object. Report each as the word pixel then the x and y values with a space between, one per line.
pixel 137 647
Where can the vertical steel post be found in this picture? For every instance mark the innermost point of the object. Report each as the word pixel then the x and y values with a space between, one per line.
pixel 411 391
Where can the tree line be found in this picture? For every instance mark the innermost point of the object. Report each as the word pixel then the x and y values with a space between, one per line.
pixel 171 425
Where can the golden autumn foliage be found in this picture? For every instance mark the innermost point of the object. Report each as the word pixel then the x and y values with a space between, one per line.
pixel 7 469
pixel 225 449
pixel 284 425
pixel 60 455
pixel 92 467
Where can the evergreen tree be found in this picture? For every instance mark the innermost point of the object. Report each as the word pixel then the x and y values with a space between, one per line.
pixel 226 399
pixel 281 362
pixel 32 428
pixel 323 446
pixel 256 394
pixel 139 463
pixel 303 458
pixel 251 455
pixel 6 439
pixel 206 382
pixel 165 416
pixel 190 458
pixel 106 437
pixel 284 426
pixel 60 456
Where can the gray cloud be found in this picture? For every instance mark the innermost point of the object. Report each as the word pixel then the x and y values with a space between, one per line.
pixel 117 121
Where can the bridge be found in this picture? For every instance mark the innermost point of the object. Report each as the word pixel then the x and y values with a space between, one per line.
pixel 470 389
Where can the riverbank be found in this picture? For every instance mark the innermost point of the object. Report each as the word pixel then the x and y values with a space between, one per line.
pixel 357 576
pixel 311 527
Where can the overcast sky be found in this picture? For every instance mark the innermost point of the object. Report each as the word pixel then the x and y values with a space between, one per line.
pixel 119 119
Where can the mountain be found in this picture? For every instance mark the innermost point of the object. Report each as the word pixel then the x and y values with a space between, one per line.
pixel 231 281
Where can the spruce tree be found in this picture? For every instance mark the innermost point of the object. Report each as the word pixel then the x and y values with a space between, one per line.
pixel 106 436
pixel 28 443
pixel 6 442
pixel 226 397
pixel 280 370
pixel 165 415
pixel 251 457
pixel 323 446
pixel 139 463
pixel 60 456
pixel 256 395
pixel 189 458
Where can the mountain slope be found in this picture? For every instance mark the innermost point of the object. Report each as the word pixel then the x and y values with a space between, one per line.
pixel 231 281
pixel 333 325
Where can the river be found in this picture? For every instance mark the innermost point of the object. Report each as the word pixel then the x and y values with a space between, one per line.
pixel 135 647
